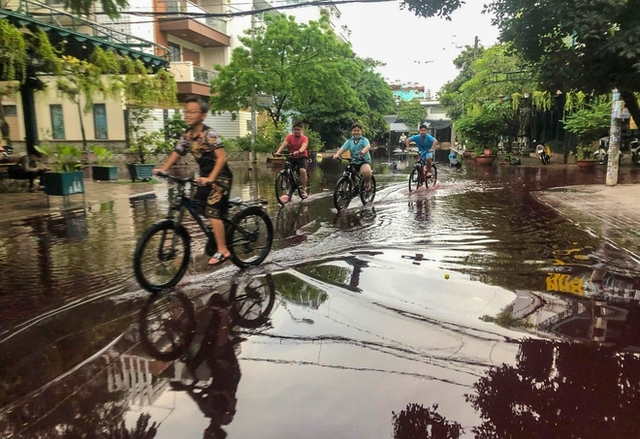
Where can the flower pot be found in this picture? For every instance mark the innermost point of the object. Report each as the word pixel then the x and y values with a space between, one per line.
pixel 63 183
pixel 586 164
pixel 140 171
pixel 104 172
pixel 485 159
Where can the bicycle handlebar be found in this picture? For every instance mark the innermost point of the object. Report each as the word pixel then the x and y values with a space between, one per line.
pixel 182 180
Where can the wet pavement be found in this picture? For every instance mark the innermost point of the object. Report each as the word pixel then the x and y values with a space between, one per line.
pixel 501 303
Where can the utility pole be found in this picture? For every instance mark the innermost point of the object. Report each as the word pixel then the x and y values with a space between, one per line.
pixel 254 157
pixel 475 47
pixel 617 108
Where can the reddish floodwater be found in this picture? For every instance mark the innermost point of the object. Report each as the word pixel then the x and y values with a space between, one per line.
pixel 469 307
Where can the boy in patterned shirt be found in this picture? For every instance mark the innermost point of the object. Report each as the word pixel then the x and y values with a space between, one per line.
pixel 215 176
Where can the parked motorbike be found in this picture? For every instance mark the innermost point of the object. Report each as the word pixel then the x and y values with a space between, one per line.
pixel 635 151
pixel 602 155
pixel 543 154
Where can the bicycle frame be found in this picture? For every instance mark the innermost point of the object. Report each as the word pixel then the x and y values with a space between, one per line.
pixel 354 176
pixel 182 203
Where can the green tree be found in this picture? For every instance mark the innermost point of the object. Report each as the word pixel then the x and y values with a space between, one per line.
pixel 577 45
pixel 310 74
pixel 412 113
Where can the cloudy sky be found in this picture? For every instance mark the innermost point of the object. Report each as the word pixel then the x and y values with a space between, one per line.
pixel 405 42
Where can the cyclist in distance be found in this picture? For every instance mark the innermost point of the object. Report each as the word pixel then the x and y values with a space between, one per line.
pixel 214 183
pixel 297 144
pixel 426 144
pixel 358 146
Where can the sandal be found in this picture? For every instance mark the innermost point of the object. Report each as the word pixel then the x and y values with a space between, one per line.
pixel 304 195
pixel 367 187
pixel 219 257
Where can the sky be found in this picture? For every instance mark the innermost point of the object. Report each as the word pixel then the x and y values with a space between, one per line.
pixel 398 38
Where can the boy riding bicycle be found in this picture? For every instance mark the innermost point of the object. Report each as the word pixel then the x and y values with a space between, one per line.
pixel 297 144
pixel 214 183
pixel 358 147
pixel 426 144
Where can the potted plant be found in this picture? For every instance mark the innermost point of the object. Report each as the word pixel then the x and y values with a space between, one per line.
pixel 483 134
pixel 101 170
pixel 584 157
pixel 66 177
pixel 588 124
pixel 142 144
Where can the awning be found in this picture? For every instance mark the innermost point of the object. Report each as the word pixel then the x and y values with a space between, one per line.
pixel 398 127
pixel 438 124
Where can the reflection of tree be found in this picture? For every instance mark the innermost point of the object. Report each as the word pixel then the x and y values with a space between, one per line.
pixel 298 291
pixel 290 220
pixel 415 422
pixel 560 390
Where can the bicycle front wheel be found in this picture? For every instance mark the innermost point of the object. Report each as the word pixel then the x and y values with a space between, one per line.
pixel 167 326
pixel 162 256
pixel 368 196
pixel 284 190
pixel 249 236
pixel 431 181
pixel 252 303
pixel 415 179
pixel 342 193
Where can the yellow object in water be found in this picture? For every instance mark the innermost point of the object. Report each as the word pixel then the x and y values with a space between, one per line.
pixel 446 276
pixel 318 158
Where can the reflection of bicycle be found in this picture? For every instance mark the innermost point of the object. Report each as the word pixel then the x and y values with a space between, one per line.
pixel 418 176
pixel 163 251
pixel 350 185
pixel 168 323
pixel 288 183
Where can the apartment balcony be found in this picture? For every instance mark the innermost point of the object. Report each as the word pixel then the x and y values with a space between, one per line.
pixel 184 23
pixel 192 80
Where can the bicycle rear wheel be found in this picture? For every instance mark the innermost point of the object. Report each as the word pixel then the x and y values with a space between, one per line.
pixel 249 236
pixel 284 189
pixel 342 193
pixel 252 303
pixel 415 179
pixel 368 196
pixel 431 181
pixel 167 326
pixel 161 256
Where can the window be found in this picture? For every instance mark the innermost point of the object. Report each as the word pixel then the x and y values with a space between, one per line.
pixel 10 110
pixel 174 52
pixel 100 121
pixel 57 121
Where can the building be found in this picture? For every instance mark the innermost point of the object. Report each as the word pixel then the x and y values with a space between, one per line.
pixel 190 42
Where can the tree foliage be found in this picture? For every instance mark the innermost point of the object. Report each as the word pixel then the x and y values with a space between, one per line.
pixel 412 113
pixel 577 45
pixel 311 75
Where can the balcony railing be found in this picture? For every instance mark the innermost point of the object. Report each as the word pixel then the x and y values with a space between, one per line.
pixel 185 71
pixel 191 10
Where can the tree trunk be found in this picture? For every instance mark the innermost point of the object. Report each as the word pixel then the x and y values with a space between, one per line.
pixel 631 103
pixel 84 137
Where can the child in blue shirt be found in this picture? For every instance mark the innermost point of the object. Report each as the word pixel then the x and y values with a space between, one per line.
pixel 358 147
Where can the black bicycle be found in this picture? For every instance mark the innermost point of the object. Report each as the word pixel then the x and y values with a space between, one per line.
pixel 288 183
pixel 168 321
pixel 163 251
pixel 351 185
pixel 418 176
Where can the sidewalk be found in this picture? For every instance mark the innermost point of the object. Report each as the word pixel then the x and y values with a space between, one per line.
pixel 610 212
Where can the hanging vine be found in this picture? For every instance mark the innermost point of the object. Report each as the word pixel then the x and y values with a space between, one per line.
pixel 542 100
pixel 13 63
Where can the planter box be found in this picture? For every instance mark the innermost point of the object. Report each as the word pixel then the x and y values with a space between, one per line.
pixel 141 171
pixel 485 159
pixel 586 164
pixel 104 172
pixel 63 183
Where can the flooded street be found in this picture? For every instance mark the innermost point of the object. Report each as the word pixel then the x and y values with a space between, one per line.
pixel 470 308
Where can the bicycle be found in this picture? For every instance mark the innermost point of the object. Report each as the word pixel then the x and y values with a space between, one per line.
pixel 418 176
pixel 163 251
pixel 168 322
pixel 349 186
pixel 288 182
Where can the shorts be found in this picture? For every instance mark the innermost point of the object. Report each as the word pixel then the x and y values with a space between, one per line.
pixel 298 162
pixel 426 155
pixel 214 198
pixel 357 166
